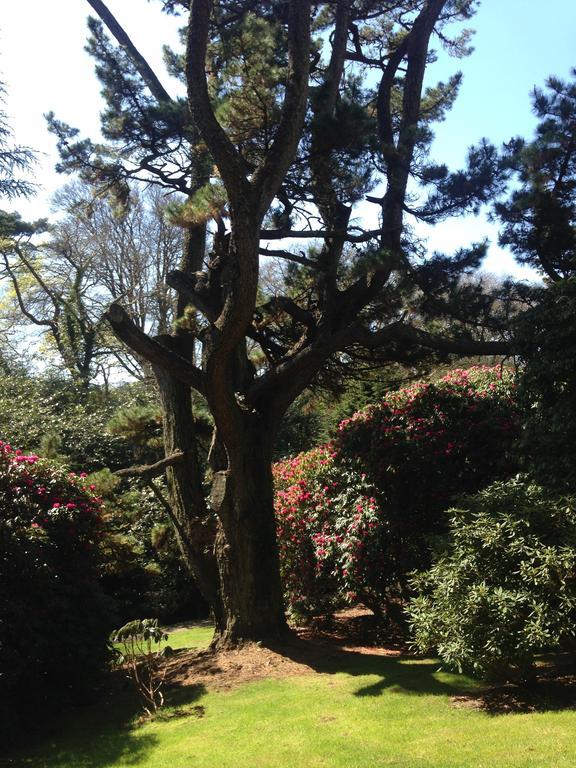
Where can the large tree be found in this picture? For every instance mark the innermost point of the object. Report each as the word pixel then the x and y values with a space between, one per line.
pixel 539 225
pixel 295 114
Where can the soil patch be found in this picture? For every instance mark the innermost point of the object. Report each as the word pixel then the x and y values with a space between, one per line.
pixel 315 648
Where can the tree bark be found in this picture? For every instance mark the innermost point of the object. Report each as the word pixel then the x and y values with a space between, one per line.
pixel 246 547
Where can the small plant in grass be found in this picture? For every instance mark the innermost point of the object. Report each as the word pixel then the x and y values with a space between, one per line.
pixel 144 658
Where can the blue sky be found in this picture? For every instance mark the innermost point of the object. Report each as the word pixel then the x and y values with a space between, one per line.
pixel 518 43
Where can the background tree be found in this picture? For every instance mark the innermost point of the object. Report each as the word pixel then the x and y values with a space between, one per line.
pixel 539 225
pixel 49 288
pixel 93 254
pixel 14 160
pixel 539 216
pixel 344 114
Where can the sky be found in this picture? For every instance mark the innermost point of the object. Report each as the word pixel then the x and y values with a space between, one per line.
pixel 517 45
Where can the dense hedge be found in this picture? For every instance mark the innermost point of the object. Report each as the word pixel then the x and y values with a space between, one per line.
pixel 356 516
pixel 54 618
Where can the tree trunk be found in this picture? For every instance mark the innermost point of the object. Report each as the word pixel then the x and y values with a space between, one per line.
pixel 246 548
pixel 194 526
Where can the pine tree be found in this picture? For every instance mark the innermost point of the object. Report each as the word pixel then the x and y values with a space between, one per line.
pixel 539 217
pixel 294 115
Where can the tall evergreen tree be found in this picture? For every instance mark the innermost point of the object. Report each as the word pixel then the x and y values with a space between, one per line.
pixel 539 225
pixel 539 216
pixel 295 114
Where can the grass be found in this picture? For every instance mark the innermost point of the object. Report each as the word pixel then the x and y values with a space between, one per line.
pixel 191 637
pixel 369 711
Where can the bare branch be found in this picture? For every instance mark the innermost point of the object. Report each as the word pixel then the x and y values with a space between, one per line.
pixel 20 299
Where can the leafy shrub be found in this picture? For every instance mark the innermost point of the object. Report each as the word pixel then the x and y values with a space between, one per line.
pixel 54 618
pixel 506 587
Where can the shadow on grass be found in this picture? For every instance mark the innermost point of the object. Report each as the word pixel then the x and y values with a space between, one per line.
pixel 402 673
pixel 102 734
pixel 554 690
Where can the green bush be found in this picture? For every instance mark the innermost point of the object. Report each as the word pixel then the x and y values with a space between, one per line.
pixel 50 417
pixel 54 617
pixel 143 570
pixel 506 587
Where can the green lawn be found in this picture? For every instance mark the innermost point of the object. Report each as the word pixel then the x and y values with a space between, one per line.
pixel 369 711
pixel 188 637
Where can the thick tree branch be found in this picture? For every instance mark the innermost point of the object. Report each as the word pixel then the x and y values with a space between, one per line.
pixel 410 335
pixel 230 163
pixel 269 176
pixel 276 389
pixel 152 350
pixel 152 470
pixel 186 285
pixel 281 234
pixel 144 69
pixel 288 256
pixel 326 197
pixel 286 304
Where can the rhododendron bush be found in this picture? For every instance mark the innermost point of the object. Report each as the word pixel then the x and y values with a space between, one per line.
pixel 332 537
pixel 504 589
pixel 54 619
pixel 356 516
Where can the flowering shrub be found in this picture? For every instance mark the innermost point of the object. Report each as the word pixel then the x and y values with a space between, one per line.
pixel 428 442
pixel 505 589
pixel 330 534
pixel 356 516
pixel 53 616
